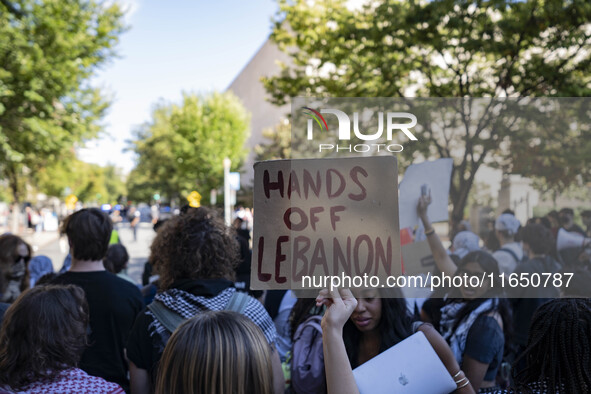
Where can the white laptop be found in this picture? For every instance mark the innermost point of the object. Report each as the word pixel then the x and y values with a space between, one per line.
pixel 409 367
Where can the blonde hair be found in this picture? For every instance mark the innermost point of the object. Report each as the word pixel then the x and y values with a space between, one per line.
pixel 216 353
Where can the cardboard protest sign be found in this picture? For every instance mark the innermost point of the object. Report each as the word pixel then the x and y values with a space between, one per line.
pixel 417 258
pixel 321 217
pixel 417 261
pixel 436 175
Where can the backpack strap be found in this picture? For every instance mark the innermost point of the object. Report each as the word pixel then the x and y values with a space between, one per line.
pixel 169 319
pixel 237 302
pixel 512 253
pixel 312 321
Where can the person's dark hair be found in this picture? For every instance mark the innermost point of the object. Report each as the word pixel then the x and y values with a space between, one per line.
pixel 43 333
pixel 586 213
pixel 567 211
pixel 395 325
pixel 158 224
pixel 553 214
pixel 558 353
pixel 301 311
pixel 194 245
pixel 116 258
pixel 544 221
pixel 89 232
pixel 538 237
pixel 509 211
pixel 492 242
pixel 489 265
pixel 9 254
pixel 432 309
pixel 579 283
pixel 46 279
pixel 187 209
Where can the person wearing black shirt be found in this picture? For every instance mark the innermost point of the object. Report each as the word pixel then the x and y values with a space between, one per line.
pixel 566 217
pixel 113 302
pixel 537 244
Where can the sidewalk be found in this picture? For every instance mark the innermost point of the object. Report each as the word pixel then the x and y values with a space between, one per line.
pixel 40 239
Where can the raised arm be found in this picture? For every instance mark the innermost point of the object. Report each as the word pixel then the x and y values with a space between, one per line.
pixel 447 358
pixel 444 263
pixel 339 375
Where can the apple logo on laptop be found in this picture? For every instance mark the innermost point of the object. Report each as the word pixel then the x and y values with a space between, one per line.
pixel 402 379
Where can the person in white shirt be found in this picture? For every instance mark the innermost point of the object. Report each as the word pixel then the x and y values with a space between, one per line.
pixel 511 252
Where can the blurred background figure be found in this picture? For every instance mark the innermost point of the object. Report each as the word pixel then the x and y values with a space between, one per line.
pixel 567 221
pixel 586 216
pixel 15 254
pixel 510 253
pixel 39 266
pixel 134 216
pixel 117 260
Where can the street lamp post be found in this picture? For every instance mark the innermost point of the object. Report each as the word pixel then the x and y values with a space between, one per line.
pixel 227 202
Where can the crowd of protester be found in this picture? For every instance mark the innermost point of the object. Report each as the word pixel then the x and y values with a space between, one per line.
pixel 194 327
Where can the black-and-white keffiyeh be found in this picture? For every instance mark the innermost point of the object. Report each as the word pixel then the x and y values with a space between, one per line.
pixel 188 305
pixel 457 338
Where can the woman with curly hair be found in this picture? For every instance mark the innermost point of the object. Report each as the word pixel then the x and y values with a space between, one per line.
pixel 14 257
pixel 41 341
pixel 195 255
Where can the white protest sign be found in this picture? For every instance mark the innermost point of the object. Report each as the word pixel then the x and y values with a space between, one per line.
pixel 322 217
pixel 436 175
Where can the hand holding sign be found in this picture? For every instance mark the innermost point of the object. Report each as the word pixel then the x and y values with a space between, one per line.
pixel 340 305
pixel 424 202
pixel 437 176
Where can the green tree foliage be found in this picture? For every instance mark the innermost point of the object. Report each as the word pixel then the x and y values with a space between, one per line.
pixel 278 145
pixel 440 48
pixel 182 148
pixel 88 182
pixel 556 156
pixel 49 50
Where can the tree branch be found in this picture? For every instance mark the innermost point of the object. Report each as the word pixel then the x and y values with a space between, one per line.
pixel 12 9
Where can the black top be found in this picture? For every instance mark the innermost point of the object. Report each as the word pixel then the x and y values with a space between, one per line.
pixel 576 229
pixel 485 343
pixel 3 307
pixel 145 345
pixel 144 350
pixel 113 304
pixel 525 300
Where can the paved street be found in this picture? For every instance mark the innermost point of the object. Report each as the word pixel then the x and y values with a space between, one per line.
pixel 49 244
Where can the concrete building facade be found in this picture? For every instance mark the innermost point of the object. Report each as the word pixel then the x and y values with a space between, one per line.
pixel 249 88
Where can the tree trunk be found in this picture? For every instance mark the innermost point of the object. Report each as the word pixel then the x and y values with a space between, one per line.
pixel 459 198
pixel 459 203
pixel 14 188
pixel 15 219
